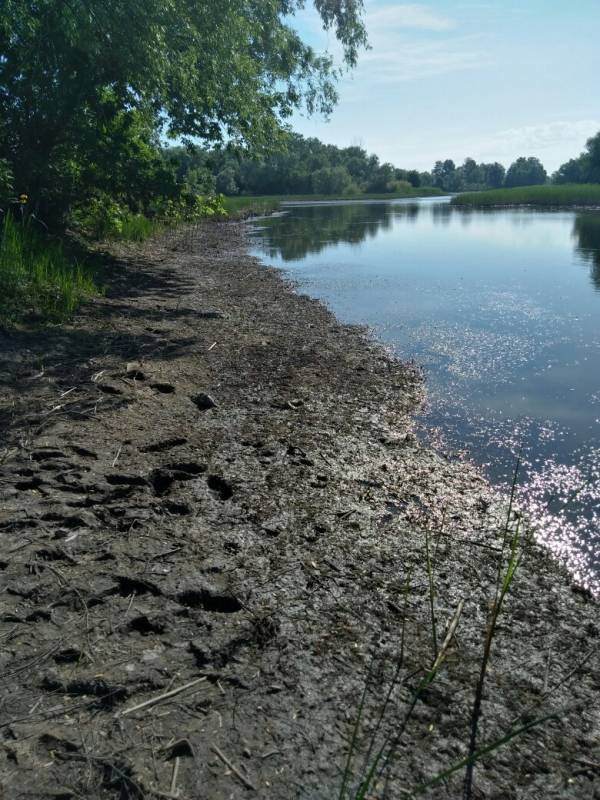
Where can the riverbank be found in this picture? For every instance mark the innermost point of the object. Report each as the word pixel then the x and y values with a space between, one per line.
pixel 266 204
pixel 581 195
pixel 205 477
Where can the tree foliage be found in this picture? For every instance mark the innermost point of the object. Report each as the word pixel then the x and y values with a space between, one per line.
pixel 297 165
pixel 87 87
pixel 471 176
pixel 525 172
pixel 585 168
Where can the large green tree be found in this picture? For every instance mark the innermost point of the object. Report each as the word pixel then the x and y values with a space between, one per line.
pixel 79 77
pixel 585 168
pixel 525 172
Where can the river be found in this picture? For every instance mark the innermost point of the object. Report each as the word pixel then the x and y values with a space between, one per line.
pixel 501 308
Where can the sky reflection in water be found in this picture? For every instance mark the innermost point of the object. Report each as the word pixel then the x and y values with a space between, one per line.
pixel 502 309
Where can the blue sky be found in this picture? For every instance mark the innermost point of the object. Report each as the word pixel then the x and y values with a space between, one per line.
pixel 455 78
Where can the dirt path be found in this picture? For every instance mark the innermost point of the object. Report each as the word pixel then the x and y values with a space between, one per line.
pixel 209 484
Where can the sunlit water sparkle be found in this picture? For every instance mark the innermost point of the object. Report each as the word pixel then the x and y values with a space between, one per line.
pixel 502 310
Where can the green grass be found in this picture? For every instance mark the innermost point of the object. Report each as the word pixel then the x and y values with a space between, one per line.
pixel 265 204
pixel 36 275
pixel 137 228
pixel 583 194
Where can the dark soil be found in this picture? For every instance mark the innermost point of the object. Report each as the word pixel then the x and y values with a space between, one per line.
pixel 206 476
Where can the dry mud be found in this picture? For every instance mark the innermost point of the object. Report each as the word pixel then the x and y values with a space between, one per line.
pixel 210 485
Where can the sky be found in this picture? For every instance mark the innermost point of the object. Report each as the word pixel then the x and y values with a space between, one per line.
pixel 457 78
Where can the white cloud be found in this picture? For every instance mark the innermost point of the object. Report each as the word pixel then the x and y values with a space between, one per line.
pixel 410 60
pixel 535 139
pixel 411 41
pixel 553 143
pixel 394 17
pixel 408 41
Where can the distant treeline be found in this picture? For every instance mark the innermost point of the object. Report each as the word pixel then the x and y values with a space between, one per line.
pixel 304 166
pixel 472 177
pixel 301 166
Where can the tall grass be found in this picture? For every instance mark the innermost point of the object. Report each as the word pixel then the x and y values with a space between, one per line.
pixel 581 194
pixel 137 228
pixel 36 276
pixel 372 779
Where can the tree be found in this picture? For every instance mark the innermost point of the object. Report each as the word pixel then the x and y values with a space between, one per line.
pixel 226 181
pixel 493 175
pixel 72 70
pixel 444 175
pixel 332 180
pixel 471 174
pixel 593 155
pixel 585 168
pixel 576 170
pixel 525 172
pixel 382 179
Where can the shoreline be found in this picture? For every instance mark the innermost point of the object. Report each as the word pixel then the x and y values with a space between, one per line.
pixel 273 543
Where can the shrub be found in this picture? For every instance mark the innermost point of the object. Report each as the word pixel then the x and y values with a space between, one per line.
pixel 102 217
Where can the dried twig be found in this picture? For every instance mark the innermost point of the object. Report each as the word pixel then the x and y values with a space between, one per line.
pixel 159 698
pixel 173 789
pixel 116 458
pixel 234 769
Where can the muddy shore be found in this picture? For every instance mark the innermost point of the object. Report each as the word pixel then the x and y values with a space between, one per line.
pixel 209 484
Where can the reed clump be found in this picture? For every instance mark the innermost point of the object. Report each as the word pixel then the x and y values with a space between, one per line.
pixel 579 195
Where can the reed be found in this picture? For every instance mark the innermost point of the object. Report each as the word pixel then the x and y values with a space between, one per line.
pixel 579 195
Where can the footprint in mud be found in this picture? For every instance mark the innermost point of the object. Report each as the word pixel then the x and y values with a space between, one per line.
pixel 203 401
pixel 163 478
pixel 186 470
pixel 70 655
pixel 178 509
pixel 163 388
pixel 120 479
pixel 165 444
pixel 221 487
pixel 161 481
pixel 107 695
pixel 109 388
pixel 47 455
pixel 210 598
pixel 83 452
pixel 127 584
pixel 146 625
pixel 30 485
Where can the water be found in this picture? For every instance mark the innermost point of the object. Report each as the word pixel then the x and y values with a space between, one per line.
pixel 502 310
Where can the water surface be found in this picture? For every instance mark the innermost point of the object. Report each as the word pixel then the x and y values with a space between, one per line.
pixel 502 310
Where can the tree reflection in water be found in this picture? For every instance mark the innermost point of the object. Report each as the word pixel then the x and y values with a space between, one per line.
pixel 312 228
pixel 587 233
